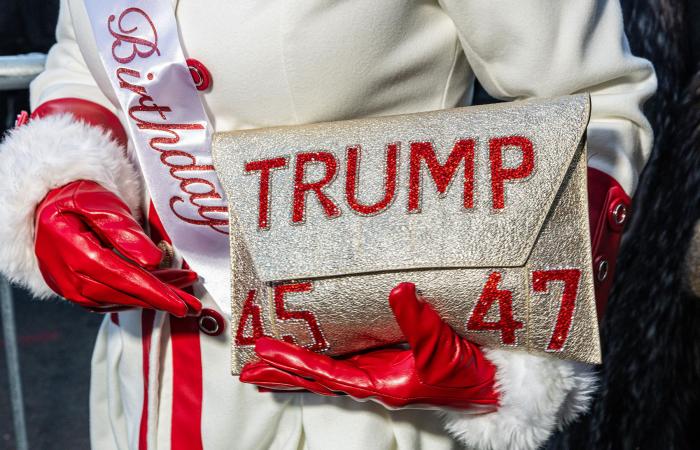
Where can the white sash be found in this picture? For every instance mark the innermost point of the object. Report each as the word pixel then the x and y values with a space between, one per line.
pixel 139 47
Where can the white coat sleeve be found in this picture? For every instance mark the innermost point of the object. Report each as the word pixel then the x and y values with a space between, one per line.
pixel 66 74
pixel 520 49
pixel 544 48
pixel 52 151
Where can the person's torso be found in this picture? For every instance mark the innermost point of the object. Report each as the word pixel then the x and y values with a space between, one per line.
pixel 281 63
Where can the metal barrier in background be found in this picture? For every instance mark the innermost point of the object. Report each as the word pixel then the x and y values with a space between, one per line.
pixel 16 72
pixel 12 356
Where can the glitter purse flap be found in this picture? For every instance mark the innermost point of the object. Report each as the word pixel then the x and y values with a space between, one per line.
pixel 468 203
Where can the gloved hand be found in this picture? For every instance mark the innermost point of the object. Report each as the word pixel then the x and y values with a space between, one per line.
pixel 440 369
pixel 92 251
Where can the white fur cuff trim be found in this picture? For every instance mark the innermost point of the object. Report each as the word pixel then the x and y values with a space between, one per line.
pixel 537 395
pixel 45 154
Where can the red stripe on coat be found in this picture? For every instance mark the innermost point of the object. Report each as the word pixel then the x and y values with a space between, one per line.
pixel 186 425
pixel 147 318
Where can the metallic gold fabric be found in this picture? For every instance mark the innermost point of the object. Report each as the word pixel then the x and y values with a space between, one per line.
pixel 448 250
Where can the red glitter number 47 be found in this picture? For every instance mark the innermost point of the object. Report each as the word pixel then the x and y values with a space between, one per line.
pixel 507 323
pixel 570 277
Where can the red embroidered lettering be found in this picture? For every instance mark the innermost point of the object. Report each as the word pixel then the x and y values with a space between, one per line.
pixel 351 181
pixel 174 160
pixel 135 35
pixel 123 36
pixel 126 85
pixel 301 187
pixel 306 316
pixel 206 221
pixel 442 174
pixel 499 174
pixel 250 313
pixel 507 323
pixel 265 167
pixel 206 190
pixel 571 278
pixel 144 107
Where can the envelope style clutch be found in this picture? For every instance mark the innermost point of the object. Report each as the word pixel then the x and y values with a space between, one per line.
pixel 483 208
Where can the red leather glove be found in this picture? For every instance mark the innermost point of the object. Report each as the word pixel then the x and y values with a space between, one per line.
pixel 440 368
pixel 92 251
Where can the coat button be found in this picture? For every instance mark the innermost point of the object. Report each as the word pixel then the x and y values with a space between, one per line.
pixel 211 322
pixel 617 215
pixel 200 74
pixel 601 268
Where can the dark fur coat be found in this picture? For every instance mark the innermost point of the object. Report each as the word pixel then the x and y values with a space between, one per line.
pixel 649 395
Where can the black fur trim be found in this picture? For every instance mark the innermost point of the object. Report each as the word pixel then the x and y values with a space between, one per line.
pixel 649 394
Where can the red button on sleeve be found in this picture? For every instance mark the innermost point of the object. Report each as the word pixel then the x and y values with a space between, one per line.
pixel 200 74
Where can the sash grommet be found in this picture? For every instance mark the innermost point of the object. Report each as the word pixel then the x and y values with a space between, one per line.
pixel 211 322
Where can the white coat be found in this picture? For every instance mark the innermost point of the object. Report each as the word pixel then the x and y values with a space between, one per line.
pixel 158 383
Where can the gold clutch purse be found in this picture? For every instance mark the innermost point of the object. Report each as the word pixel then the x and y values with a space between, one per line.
pixel 483 208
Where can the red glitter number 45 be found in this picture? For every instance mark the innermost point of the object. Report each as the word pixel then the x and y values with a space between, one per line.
pixel 284 314
pixel 252 314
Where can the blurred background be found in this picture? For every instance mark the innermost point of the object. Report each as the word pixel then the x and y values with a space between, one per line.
pixel 54 339
pixel 55 343
pixel 649 396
